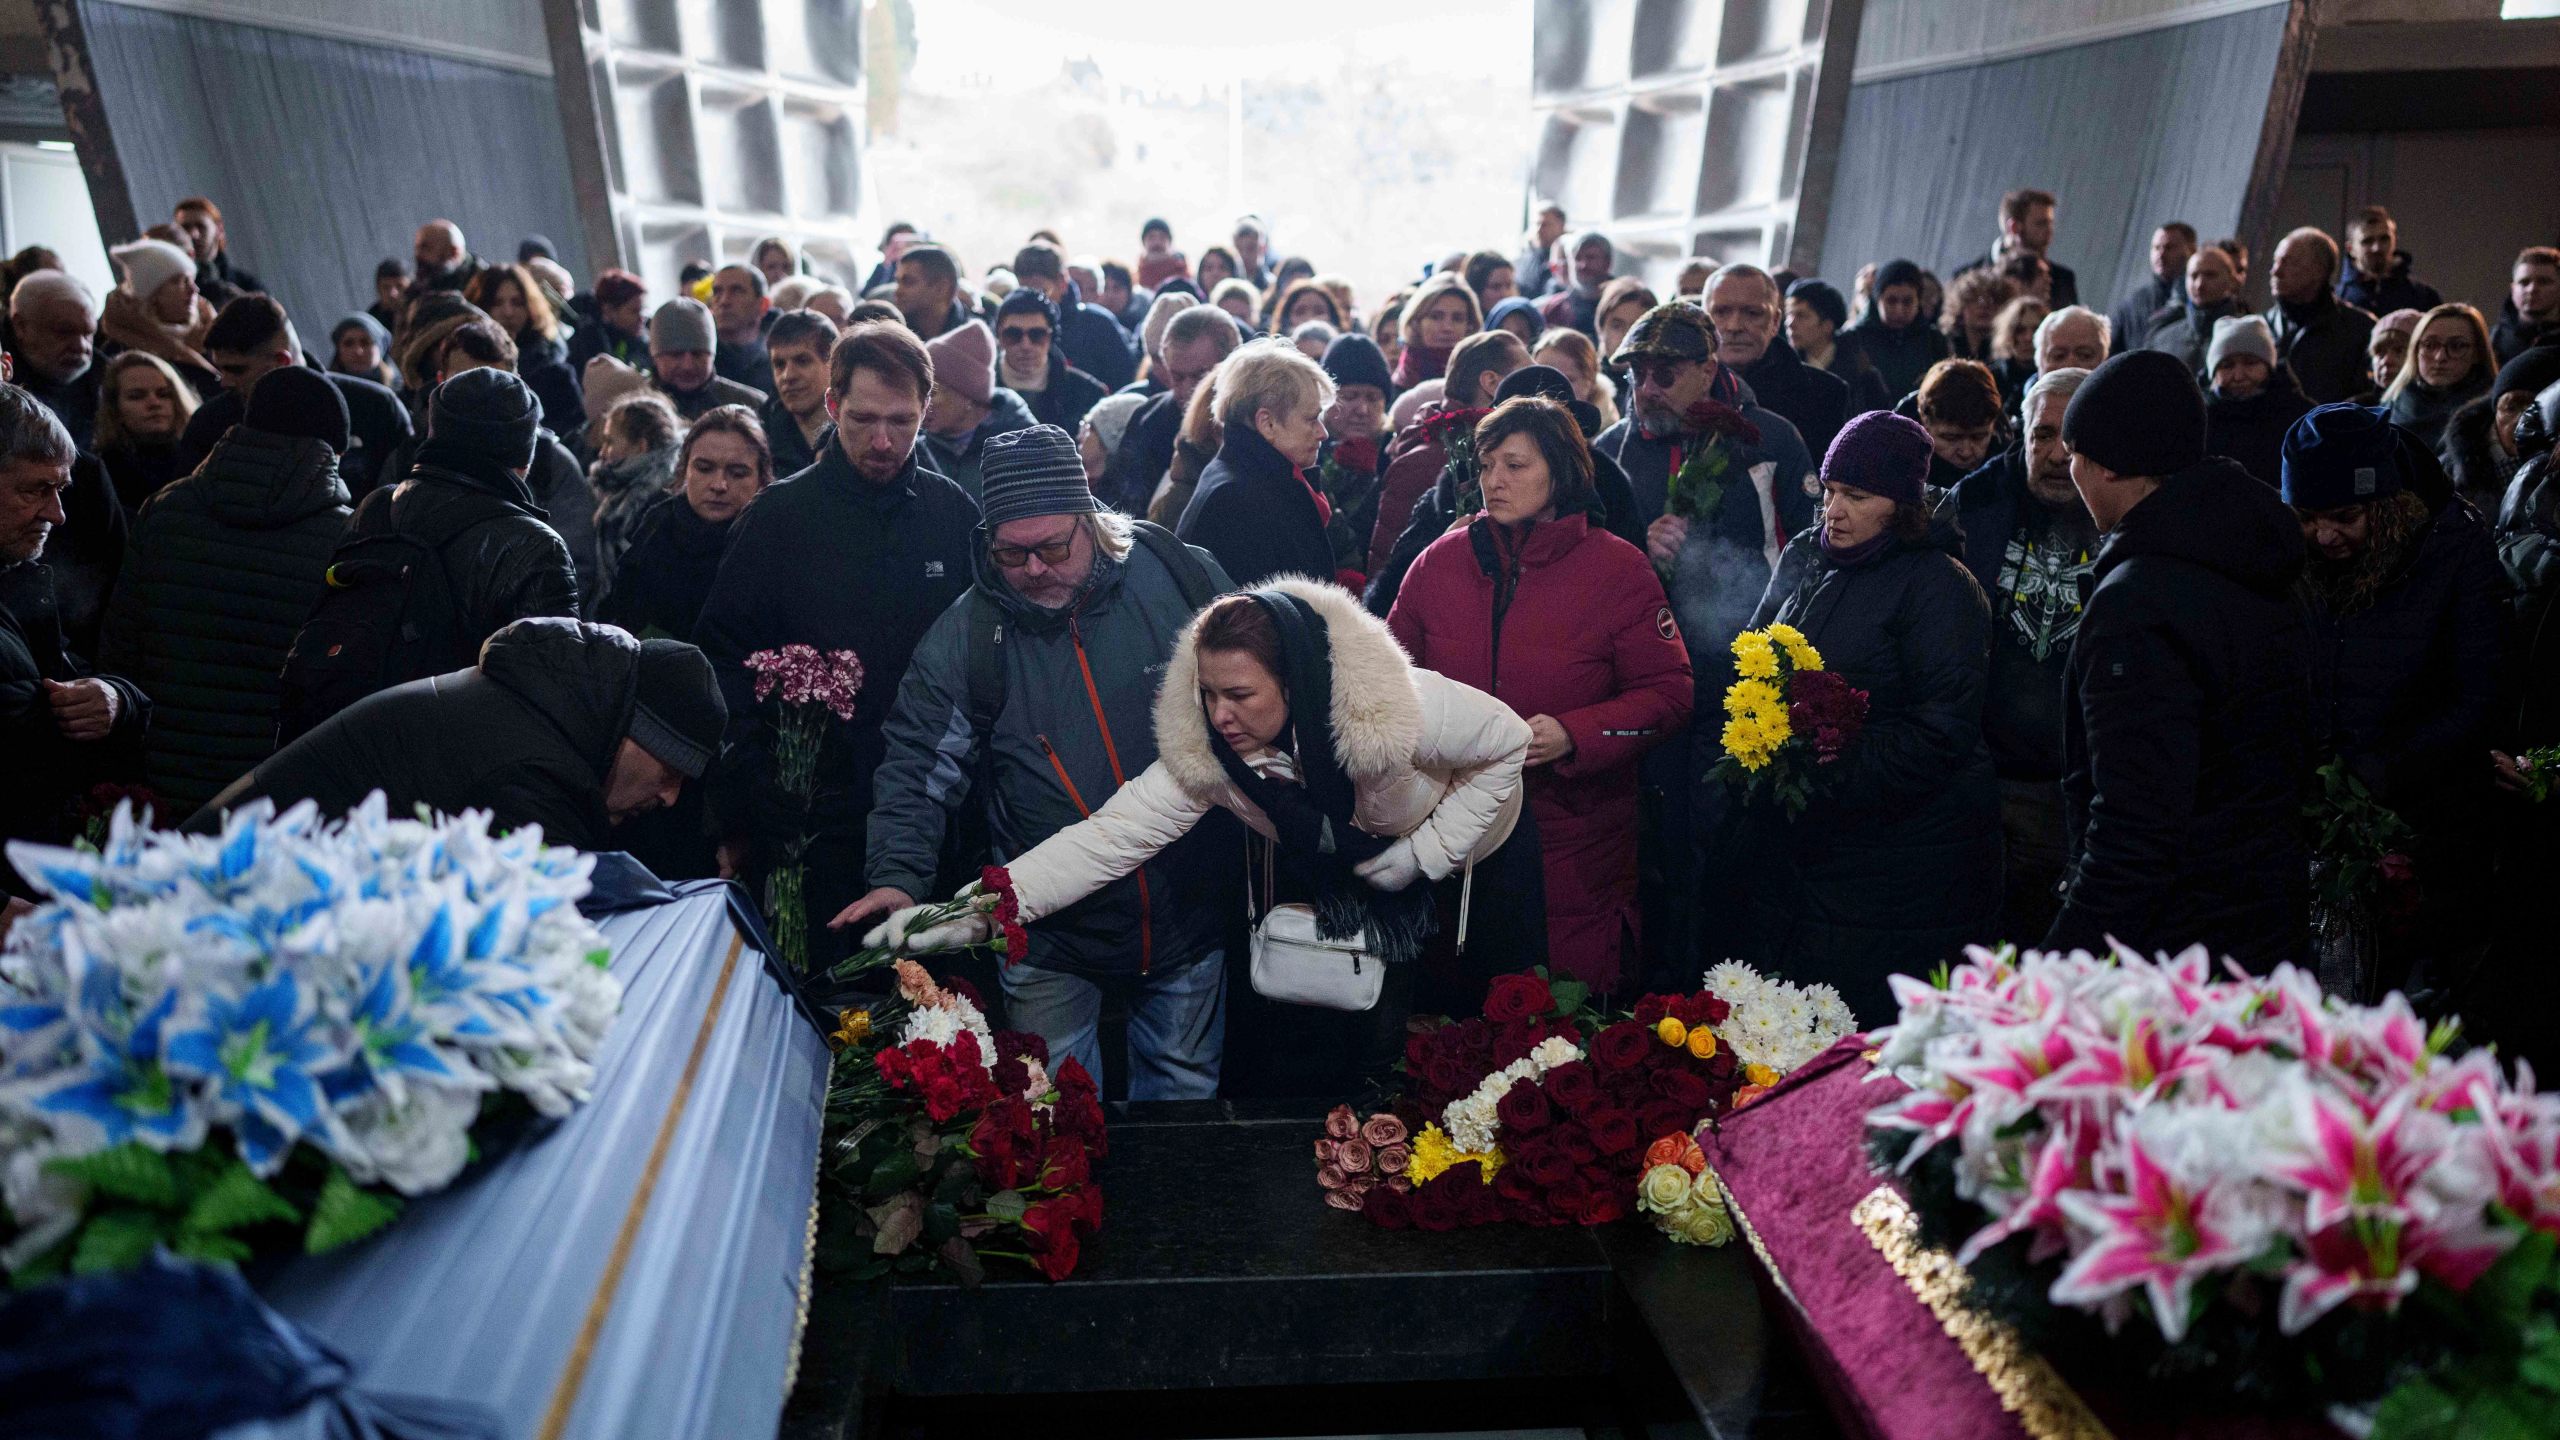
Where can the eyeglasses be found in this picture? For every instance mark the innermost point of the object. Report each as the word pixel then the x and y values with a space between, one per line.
pixel 2459 345
pixel 1017 335
pixel 1052 553
pixel 1657 371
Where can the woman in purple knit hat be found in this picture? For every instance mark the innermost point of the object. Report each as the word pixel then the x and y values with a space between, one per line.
pixel 1895 865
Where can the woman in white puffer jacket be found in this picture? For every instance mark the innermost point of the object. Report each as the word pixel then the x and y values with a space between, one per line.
pixel 1426 771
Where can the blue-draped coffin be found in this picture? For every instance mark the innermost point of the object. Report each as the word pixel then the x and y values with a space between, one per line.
pixel 642 1267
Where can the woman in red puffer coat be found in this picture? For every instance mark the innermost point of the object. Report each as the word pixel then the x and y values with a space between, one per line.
pixel 1540 607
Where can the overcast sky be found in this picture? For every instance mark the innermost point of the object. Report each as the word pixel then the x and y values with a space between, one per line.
pixel 1015 43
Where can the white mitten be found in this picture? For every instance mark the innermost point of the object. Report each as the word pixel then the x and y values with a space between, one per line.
pixel 1392 868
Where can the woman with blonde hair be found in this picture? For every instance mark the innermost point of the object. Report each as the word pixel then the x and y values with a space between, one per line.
pixel 1256 510
pixel 142 409
pixel 1440 314
pixel 2450 365
pixel 2013 347
pixel 1238 297
pixel 1572 352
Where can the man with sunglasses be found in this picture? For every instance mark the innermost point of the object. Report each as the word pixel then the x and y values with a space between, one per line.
pixel 1716 562
pixel 1030 364
pixel 1033 699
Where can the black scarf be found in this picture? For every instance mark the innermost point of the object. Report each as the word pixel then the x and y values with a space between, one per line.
pixel 1318 844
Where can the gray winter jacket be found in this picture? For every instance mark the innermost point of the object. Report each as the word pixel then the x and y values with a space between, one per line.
pixel 1049 759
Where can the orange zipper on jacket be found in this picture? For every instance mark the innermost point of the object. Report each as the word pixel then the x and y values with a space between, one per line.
pixel 1111 752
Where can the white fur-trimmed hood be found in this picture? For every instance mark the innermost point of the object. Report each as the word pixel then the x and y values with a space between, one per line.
pixel 1377 717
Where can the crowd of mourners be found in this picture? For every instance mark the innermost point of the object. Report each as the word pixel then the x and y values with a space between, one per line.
pixel 1194 584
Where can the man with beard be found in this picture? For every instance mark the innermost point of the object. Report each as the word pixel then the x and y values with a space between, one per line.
pixel 217 279
pixel 861 552
pixel 63 728
pixel 1576 299
pixel 1035 732
pixel 2031 545
pixel 1718 556
pixel 445 261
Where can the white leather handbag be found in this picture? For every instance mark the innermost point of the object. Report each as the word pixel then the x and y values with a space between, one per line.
pixel 1294 963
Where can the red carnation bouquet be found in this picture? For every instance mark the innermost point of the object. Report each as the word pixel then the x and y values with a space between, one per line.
pixel 1536 1112
pixel 947 1142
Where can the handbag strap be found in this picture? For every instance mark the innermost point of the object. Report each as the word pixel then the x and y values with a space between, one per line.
pixel 1466 894
pixel 1252 843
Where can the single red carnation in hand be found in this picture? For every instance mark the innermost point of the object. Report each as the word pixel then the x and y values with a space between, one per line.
pixel 1357 455
pixel 1517 997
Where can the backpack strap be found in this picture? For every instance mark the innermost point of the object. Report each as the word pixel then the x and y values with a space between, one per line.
pixel 986 660
pixel 1188 572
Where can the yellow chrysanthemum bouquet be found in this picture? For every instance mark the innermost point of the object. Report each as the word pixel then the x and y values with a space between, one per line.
pixel 1785 717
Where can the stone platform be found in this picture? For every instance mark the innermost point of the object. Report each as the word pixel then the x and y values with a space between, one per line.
pixel 1220 1282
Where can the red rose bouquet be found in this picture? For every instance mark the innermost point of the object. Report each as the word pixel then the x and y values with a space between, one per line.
pixel 1535 1112
pixel 948 1142
pixel 1714 435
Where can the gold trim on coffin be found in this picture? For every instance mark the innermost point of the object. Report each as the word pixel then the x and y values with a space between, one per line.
pixel 573 1377
pixel 2046 1406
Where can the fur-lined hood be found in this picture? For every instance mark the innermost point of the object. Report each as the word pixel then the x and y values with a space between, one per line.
pixel 1377 717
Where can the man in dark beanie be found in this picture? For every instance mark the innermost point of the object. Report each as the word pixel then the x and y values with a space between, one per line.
pixel 1088 604
pixel 2402 601
pixel 490 557
pixel 1031 364
pixel 566 725
pixel 224 566
pixel 2186 712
